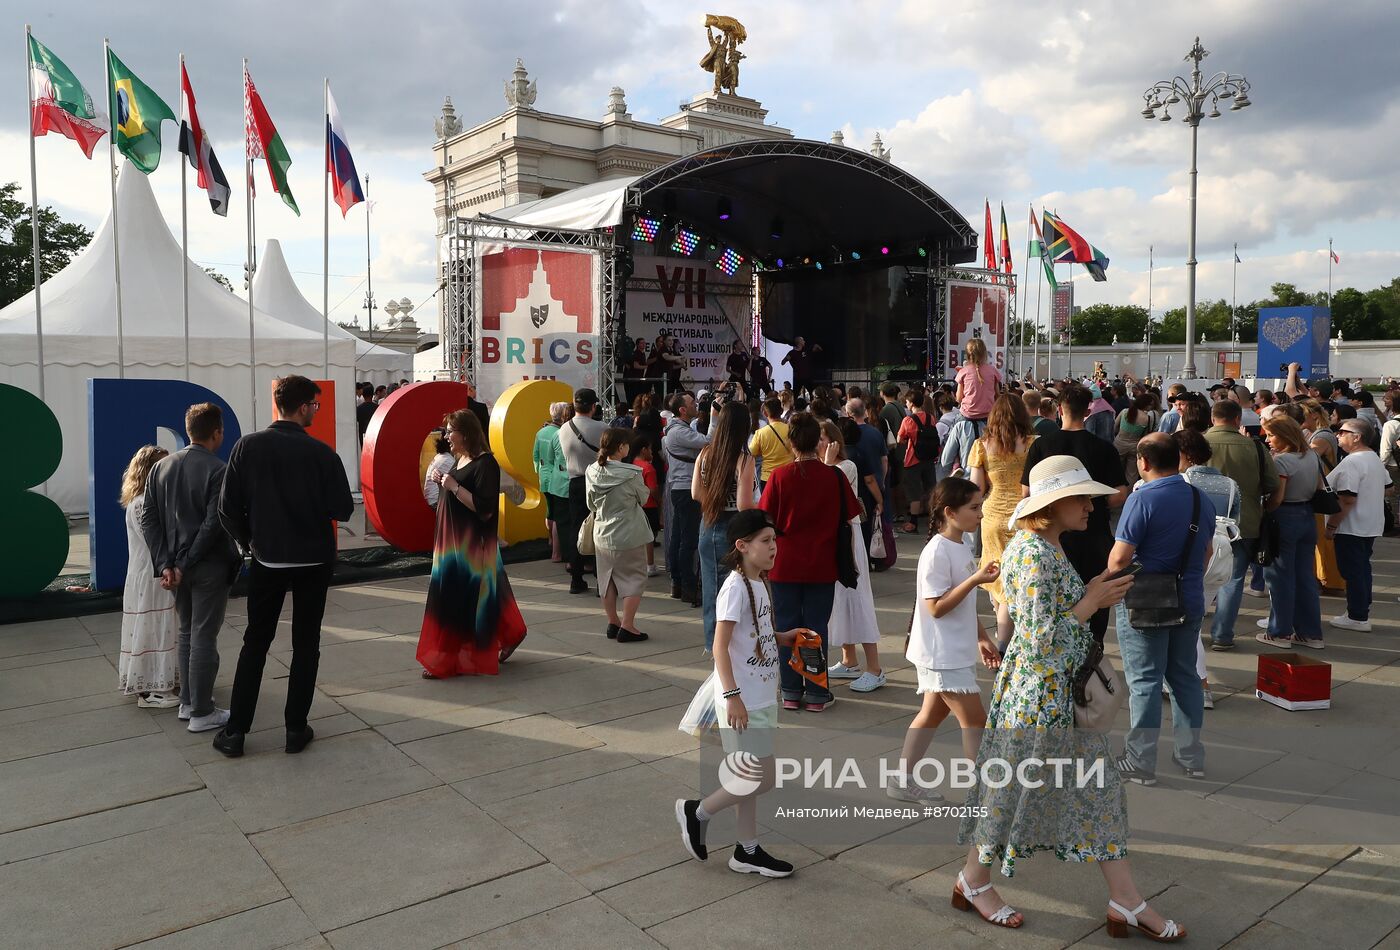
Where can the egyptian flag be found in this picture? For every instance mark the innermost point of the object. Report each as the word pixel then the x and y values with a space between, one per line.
pixel 195 146
pixel 345 181
pixel 989 249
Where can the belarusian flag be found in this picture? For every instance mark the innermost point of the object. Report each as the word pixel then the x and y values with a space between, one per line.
pixel 61 104
pixel 137 113
pixel 264 142
pixel 1036 248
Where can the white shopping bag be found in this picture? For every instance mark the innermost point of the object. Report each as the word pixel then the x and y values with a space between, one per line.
pixel 701 716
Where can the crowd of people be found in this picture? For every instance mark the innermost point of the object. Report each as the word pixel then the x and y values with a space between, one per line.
pixel 1066 501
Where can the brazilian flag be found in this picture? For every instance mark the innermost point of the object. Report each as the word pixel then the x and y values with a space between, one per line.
pixel 137 113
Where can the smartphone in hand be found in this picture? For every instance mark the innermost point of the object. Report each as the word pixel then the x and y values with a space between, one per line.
pixel 1128 571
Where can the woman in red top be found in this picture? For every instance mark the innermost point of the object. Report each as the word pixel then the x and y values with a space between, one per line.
pixel 799 498
pixel 920 473
pixel 639 454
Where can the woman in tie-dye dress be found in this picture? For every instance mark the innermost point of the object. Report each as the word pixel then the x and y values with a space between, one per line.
pixel 471 623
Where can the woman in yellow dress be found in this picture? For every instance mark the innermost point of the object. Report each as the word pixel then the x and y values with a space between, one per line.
pixel 996 465
pixel 1323 441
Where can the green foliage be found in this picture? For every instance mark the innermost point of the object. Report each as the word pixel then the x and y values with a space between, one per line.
pixel 59 242
pixel 219 279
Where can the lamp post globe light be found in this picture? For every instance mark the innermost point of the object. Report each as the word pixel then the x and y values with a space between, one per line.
pixel 1193 96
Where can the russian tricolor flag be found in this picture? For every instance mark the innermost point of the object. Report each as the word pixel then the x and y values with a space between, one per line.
pixel 339 162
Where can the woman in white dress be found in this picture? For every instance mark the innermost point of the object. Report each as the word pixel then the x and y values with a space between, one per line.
pixel 149 661
pixel 853 619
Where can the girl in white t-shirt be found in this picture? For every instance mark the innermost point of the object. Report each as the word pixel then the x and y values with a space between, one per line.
pixel 746 697
pixel 945 636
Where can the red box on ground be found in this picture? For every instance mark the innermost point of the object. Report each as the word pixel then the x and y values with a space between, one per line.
pixel 1293 681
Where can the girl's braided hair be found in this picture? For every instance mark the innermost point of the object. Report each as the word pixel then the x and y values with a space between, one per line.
pixel 734 560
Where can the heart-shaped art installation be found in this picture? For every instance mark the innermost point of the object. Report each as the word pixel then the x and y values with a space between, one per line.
pixel 1283 332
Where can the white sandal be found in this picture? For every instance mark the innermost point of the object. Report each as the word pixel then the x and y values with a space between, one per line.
pixel 1170 932
pixel 963 893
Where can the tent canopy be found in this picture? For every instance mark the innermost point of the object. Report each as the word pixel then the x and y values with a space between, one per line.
pixel 80 337
pixel 784 198
pixel 276 292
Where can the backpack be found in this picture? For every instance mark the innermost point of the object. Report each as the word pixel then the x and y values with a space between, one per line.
pixel 926 441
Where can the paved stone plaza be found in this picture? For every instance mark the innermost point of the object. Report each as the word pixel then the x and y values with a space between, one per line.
pixel 535 808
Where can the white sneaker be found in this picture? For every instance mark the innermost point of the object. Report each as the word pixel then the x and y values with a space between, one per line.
pixel 185 713
pixel 903 792
pixel 868 682
pixel 1251 592
pixel 214 720
pixel 1262 624
pixel 653 571
pixel 157 700
pixel 1346 623
pixel 843 672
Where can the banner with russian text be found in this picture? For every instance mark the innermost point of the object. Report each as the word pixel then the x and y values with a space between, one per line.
pixel 706 310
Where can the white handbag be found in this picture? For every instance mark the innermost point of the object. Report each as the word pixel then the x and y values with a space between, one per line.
pixel 586 547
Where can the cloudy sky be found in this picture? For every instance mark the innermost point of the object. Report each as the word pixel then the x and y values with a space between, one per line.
pixel 1020 101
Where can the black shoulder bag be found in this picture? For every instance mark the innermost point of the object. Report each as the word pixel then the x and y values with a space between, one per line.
pixel 1155 600
pixel 1324 500
pixel 591 447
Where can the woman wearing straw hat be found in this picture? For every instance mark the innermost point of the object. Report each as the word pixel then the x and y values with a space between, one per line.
pixel 1032 717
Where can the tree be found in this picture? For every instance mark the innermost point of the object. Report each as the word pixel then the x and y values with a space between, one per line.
pixel 219 278
pixel 1024 333
pixel 59 242
pixel 1098 324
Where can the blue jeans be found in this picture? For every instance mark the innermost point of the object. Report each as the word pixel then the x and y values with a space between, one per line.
pixel 1354 561
pixel 1149 656
pixel 1227 603
pixel 1292 578
pixel 802 605
pixel 714 545
pixel 681 536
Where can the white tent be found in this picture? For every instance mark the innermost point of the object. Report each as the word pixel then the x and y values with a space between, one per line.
pixel 275 292
pixel 80 337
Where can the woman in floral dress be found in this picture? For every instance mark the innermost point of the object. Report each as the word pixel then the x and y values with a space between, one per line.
pixel 1032 716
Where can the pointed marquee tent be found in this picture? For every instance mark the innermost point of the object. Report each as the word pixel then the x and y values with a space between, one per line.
pixel 276 293
pixel 80 337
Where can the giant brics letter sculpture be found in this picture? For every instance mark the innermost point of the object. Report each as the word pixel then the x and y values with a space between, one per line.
pixel 123 415
pixel 390 463
pixel 36 530
pixel 515 421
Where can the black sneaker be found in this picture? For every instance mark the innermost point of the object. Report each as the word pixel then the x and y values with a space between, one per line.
pixel 612 631
pixel 760 862
pixel 627 636
pixel 1131 773
pixel 675 591
pixel 299 739
pixel 692 828
pixel 1191 771
pixel 228 742
pixel 578 586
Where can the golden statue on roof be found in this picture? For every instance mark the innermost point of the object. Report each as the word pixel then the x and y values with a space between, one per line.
pixel 723 56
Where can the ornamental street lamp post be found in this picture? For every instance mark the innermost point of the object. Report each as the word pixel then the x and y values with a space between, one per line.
pixel 1194 93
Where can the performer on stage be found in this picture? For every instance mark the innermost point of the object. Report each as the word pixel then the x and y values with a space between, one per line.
pixel 800 357
pixel 738 364
pixel 760 374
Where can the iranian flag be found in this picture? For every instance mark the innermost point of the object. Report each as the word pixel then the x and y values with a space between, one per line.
pixel 61 104
pixel 264 142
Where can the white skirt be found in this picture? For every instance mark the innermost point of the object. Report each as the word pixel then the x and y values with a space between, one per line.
pixel 853 611
pixel 149 660
pixel 960 680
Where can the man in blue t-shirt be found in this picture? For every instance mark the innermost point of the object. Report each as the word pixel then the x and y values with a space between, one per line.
pixel 872 464
pixel 1155 530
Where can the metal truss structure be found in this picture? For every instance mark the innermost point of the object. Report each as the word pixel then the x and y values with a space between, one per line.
pixel 939 273
pixel 461 299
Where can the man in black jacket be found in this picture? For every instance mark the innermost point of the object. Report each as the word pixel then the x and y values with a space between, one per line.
pixel 193 556
pixel 281 492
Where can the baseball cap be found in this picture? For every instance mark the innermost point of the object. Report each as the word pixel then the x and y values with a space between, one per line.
pixel 746 524
pixel 585 397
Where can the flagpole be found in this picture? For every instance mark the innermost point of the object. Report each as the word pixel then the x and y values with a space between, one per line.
pixel 1329 273
pixel 326 230
pixel 1040 276
pixel 1149 310
pixel 1069 330
pixel 252 237
pixel 1020 299
pixel 1234 282
pixel 112 180
pixel 34 220
pixel 369 282
pixel 185 236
